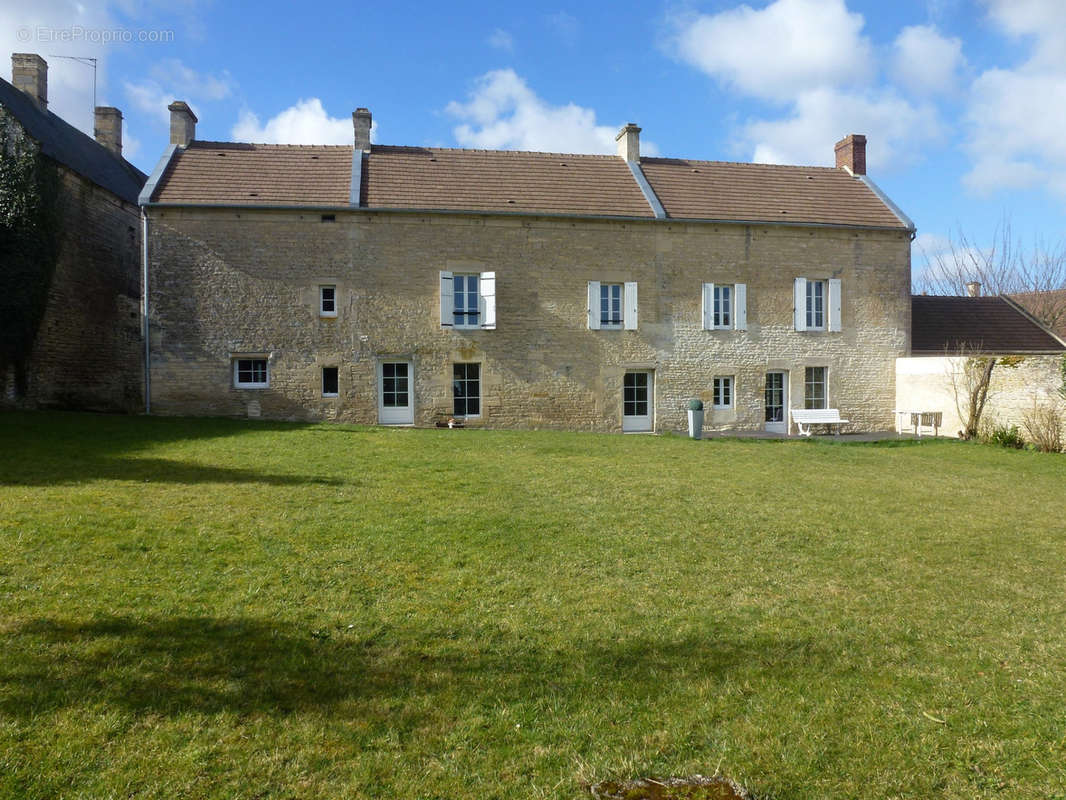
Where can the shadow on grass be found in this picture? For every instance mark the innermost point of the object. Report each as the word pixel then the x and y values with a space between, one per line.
pixel 57 448
pixel 206 665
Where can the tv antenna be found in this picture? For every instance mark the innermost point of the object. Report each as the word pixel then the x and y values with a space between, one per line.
pixel 88 61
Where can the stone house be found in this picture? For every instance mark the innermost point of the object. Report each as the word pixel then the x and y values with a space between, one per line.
pixel 69 297
pixel 413 285
pixel 947 331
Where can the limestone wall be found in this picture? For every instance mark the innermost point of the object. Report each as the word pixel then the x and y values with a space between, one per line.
pixel 227 282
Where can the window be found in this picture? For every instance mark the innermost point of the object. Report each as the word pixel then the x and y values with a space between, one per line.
pixel 815 305
pixel 725 306
pixel 394 385
pixel 818 305
pixel 468 300
pixel 251 373
pixel 329 382
pixel 814 388
pixel 327 301
pixel 723 391
pixel 466 390
pixel 612 306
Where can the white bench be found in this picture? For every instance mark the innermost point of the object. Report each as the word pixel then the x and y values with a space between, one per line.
pixel 806 417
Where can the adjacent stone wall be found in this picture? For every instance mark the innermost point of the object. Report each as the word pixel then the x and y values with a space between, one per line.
pixel 245 282
pixel 88 351
pixel 925 383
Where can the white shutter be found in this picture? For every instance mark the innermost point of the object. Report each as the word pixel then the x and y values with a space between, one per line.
pixel 834 305
pixel 487 287
pixel 740 310
pixel 708 306
pixel 447 300
pixel 801 304
pixel 594 305
pixel 630 307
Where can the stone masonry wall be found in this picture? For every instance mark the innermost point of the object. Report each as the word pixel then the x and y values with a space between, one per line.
pixel 88 353
pixel 227 282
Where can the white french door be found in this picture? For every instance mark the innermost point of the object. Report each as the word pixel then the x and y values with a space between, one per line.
pixel 776 402
pixel 395 396
pixel 638 401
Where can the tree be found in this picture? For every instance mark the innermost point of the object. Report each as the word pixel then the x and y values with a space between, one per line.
pixel 1034 276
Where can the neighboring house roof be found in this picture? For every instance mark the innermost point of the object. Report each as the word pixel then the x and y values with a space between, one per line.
pixel 1050 305
pixel 498 181
pixel 62 142
pixel 987 325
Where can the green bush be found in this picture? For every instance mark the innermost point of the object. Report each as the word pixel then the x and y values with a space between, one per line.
pixel 695 404
pixel 1006 436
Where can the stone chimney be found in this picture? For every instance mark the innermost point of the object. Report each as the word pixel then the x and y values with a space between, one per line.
pixel 973 288
pixel 29 72
pixel 182 123
pixel 361 121
pixel 108 128
pixel 851 153
pixel 629 142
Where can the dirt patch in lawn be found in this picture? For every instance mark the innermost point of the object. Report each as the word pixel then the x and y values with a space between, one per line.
pixel 695 788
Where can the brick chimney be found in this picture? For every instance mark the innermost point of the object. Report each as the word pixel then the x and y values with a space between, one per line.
pixel 182 123
pixel 973 288
pixel 29 72
pixel 361 121
pixel 851 153
pixel 629 142
pixel 108 128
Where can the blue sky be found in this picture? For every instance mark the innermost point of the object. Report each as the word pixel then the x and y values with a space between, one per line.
pixel 963 101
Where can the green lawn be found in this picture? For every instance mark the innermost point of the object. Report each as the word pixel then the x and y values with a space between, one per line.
pixel 206 608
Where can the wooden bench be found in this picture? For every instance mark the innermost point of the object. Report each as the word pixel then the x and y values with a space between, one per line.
pixel 806 417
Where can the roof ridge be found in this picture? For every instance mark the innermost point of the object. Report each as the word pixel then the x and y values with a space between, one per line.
pixel 209 143
pixel 412 147
pixel 757 164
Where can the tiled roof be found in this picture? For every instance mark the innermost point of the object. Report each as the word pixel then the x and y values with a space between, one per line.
pixel 62 142
pixel 764 192
pixel 1049 306
pixel 442 179
pixel 945 325
pixel 258 174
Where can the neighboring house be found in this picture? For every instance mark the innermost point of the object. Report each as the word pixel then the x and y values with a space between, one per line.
pixel 1048 306
pixel 411 285
pixel 946 331
pixel 70 291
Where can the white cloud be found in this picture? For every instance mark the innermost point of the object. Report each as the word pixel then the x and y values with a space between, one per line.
pixel 1016 116
pixel 304 123
pixel 503 113
pixel 772 53
pixel 821 117
pixel 501 40
pixel 170 80
pixel 926 62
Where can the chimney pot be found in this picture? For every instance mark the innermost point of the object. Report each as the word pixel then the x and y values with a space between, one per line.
pixel 973 288
pixel 29 73
pixel 182 123
pixel 628 139
pixel 361 121
pixel 108 128
pixel 851 153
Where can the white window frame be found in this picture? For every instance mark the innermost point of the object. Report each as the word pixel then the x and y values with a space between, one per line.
pixel 726 383
pixel 486 307
pixel 322 311
pixel 824 383
pixel 831 305
pixel 738 307
pixel 323 382
pixel 466 381
pixel 628 299
pixel 239 384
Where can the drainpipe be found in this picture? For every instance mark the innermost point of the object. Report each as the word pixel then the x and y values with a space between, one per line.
pixel 144 313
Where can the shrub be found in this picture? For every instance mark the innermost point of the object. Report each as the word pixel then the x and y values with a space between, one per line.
pixel 1005 436
pixel 1043 425
pixel 695 404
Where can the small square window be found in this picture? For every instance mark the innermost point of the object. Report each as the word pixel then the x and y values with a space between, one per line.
pixel 814 387
pixel 723 391
pixel 329 382
pixel 251 373
pixel 327 301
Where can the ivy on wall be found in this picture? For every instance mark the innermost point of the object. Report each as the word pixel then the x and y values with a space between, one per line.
pixel 29 244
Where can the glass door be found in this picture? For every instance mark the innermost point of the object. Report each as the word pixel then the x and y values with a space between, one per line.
pixel 637 405
pixel 776 402
pixel 395 403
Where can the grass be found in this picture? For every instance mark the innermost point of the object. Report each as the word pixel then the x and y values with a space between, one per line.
pixel 210 608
